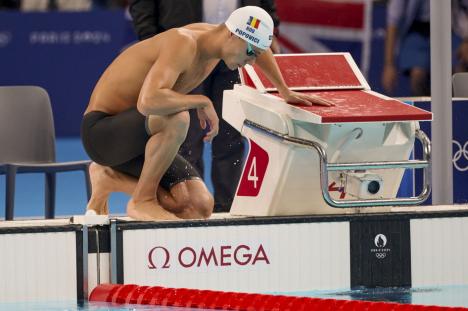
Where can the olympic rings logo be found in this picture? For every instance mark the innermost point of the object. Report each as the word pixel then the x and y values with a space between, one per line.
pixel 380 255
pixel 457 155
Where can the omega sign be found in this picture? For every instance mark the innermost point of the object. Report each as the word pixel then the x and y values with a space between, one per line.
pixel 159 257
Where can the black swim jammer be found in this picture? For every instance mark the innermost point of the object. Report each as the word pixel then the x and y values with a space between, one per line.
pixel 119 141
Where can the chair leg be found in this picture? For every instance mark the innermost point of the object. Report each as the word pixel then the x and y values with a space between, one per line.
pixel 87 182
pixel 10 182
pixel 50 195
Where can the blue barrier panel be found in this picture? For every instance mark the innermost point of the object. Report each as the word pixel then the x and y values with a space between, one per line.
pixel 65 53
pixel 460 149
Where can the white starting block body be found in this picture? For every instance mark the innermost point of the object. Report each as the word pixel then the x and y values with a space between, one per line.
pixel 313 160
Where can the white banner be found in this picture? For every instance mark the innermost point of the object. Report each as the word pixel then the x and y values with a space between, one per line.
pixel 247 258
pixel 38 267
pixel 438 251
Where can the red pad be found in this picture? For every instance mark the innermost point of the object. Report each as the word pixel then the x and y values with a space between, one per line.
pixel 334 77
pixel 361 106
pixel 307 71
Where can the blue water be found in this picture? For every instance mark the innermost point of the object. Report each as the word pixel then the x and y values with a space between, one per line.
pixel 71 191
pixel 449 296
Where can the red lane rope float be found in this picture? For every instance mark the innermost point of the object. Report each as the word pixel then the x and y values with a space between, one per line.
pixel 193 298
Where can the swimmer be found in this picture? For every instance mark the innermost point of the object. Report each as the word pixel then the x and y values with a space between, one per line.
pixel 137 116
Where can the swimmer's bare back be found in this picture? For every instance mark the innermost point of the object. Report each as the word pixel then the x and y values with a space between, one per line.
pixel 119 87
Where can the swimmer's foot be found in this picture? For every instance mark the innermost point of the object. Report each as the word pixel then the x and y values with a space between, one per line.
pixel 95 207
pixel 148 211
pixel 104 180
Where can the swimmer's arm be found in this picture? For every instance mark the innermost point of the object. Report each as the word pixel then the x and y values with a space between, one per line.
pixel 156 95
pixel 165 102
pixel 269 67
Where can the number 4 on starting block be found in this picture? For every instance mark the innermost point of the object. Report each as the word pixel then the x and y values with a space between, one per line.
pixel 254 171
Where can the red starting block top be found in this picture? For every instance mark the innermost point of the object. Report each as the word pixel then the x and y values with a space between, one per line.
pixel 363 106
pixel 334 77
pixel 310 72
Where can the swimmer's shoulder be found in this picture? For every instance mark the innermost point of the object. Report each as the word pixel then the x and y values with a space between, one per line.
pixel 187 34
pixel 190 31
pixel 199 26
pixel 176 36
pixel 179 40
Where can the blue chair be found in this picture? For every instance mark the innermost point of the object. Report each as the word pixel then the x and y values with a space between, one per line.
pixel 27 143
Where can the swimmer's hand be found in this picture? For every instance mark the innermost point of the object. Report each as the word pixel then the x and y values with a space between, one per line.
pixel 208 116
pixel 305 99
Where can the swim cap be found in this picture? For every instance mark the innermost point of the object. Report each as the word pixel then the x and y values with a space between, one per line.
pixel 252 24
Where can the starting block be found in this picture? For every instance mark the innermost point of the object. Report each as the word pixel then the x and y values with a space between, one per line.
pixel 307 160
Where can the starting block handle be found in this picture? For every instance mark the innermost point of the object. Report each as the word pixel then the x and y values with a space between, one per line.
pixel 326 167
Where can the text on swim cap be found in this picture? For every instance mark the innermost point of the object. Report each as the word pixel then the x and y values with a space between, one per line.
pixel 250 29
pixel 247 35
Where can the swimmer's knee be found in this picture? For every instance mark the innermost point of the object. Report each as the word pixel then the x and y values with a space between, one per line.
pixel 182 204
pixel 178 125
pixel 199 205
pixel 203 203
pixel 181 120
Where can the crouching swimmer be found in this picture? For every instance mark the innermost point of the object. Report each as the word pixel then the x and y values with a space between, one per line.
pixel 137 116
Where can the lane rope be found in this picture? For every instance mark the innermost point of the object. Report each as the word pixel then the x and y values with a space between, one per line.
pixel 209 299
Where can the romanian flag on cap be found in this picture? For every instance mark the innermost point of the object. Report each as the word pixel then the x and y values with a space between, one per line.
pixel 253 22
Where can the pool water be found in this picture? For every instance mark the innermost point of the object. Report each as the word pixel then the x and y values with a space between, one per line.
pixel 94 306
pixel 449 296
